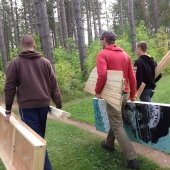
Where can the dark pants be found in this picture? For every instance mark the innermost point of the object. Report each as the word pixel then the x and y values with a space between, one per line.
pixel 146 95
pixel 36 119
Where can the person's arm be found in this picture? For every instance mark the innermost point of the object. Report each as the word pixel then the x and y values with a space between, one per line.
pixel 132 81
pixel 55 92
pixel 102 74
pixel 11 84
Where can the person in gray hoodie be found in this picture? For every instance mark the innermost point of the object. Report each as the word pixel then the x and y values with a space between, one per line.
pixel 31 78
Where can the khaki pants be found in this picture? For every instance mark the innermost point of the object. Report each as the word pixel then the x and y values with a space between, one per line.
pixel 117 131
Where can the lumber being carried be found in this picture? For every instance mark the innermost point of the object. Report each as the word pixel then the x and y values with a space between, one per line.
pixel 145 123
pixel 20 147
pixel 113 89
pixel 58 113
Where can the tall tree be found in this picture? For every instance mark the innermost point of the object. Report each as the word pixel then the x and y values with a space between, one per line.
pixel 132 24
pixel 143 5
pixel 17 33
pixel 120 2
pixel 106 13
pixel 74 24
pixel 60 25
pixel 80 33
pixel 88 17
pixel 43 28
pixel 2 42
pixel 94 20
pixel 98 11
pixel 155 15
pixel 63 22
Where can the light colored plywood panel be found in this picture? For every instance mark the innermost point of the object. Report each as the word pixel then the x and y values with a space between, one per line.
pixel 112 91
pixel 20 147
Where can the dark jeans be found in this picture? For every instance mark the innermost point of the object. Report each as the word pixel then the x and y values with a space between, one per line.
pixel 36 119
pixel 146 95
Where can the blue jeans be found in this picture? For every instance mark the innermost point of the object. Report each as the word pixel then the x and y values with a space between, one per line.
pixel 146 95
pixel 36 118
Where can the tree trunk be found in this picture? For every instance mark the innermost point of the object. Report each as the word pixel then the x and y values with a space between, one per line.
pixel 144 11
pixel 80 33
pixel 69 17
pixel 60 25
pixel 107 17
pixel 74 25
pixel 88 15
pixel 155 15
pixel 94 20
pixel 43 28
pixel 26 28
pixel 30 16
pixel 63 23
pixel 132 24
pixel 121 16
pixel 17 33
pixel 2 43
pixel 98 11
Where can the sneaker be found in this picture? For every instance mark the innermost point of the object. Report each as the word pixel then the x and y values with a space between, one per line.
pixel 133 164
pixel 107 147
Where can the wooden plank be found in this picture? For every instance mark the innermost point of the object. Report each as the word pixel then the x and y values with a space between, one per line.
pixel 18 144
pixel 140 90
pixel 58 113
pixel 162 64
pixel 112 91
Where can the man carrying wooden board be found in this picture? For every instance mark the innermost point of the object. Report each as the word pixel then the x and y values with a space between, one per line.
pixel 145 72
pixel 31 76
pixel 113 57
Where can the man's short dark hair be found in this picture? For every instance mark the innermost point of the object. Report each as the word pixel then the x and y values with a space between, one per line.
pixel 27 41
pixel 143 45
pixel 109 36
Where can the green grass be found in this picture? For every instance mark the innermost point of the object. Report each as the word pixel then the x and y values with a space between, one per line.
pixel 81 110
pixel 162 91
pixel 71 148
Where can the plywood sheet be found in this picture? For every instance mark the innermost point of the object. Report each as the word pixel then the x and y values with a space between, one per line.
pixel 20 146
pixel 112 91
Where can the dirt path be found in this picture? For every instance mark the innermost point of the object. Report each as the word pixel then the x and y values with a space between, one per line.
pixel 162 159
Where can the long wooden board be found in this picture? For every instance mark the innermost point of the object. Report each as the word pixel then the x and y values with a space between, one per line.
pixel 162 64
pixel 20 147
pixel 58 113
pixel 112 91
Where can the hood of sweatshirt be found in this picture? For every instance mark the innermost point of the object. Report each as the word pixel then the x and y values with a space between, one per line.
pixel 30 54
pixel 113 47
pixel 149 60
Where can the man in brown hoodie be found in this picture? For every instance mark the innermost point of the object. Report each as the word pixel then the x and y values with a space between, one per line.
pixel 32 78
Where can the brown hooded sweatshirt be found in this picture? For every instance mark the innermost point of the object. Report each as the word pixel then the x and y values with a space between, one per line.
pixel 31 76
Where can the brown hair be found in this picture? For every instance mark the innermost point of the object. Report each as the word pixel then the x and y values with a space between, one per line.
pixel 27 41
pixel 143 45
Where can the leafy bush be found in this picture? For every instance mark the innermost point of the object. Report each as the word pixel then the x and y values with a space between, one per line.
pixel 68 73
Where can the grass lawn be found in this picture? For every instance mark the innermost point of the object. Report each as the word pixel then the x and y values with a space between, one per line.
pixel 162 91
pixel 82 109
pixel 71 148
